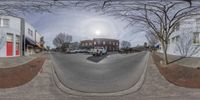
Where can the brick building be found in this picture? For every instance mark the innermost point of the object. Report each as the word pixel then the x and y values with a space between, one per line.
pixel 109 44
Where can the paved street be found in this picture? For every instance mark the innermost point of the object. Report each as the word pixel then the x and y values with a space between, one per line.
pixel 43 87
pixel 114 73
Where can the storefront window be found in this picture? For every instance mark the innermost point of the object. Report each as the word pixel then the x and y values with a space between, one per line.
pixel 196 38
pixel 9 37
pixel 17 45
pixel 17 39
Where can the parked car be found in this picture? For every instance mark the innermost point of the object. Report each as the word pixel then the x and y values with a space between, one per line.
pixel 98 51
pixel 90 51
pixel 83 51
pixel 73 51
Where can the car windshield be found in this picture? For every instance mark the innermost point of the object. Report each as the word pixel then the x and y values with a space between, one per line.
pixel 99 49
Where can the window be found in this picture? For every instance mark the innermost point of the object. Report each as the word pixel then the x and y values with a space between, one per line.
pixel 30 32
pixel 104 42
pixel 17 45
pixel 117 44
pixel 95 43
pixel 17 38
pixel 90 44
pixel 9 37
pixel 113 43
pixel 198 23
pixel 196 38
pixel 5 23
pixel 177 38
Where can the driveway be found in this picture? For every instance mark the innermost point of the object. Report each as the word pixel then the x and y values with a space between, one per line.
pixel 113 74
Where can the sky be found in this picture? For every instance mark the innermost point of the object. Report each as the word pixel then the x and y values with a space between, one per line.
pixel 82 25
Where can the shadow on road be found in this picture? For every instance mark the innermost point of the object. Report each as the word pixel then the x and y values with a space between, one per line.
pixel 96 59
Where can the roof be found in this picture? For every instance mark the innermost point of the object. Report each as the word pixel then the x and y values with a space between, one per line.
pixel 87 41
pixel 105 39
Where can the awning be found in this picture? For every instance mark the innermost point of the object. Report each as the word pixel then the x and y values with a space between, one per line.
pixel 30 41
pixel 38 45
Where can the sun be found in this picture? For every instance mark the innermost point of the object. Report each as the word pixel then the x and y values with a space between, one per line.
pixel 97 32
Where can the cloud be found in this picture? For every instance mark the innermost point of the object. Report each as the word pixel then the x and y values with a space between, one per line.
pixel 81 25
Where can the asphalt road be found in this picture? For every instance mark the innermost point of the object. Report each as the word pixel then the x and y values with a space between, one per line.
pixel 113 74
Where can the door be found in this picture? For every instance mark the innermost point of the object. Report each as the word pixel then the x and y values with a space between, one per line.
pixel 9 49
pixel 9 45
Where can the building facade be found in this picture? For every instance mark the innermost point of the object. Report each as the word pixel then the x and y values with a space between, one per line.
pixel 17 37
pixel 186 38
pixel 109 44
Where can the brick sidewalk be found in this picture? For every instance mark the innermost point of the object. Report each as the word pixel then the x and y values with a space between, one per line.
pixel 178 74
pixel 19 75
pixel 15 61
pixel 192 62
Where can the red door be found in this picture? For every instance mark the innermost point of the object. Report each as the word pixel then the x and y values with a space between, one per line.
pixel 9 49
pixel 17 48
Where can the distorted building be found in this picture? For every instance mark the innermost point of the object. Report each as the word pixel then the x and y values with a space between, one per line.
pixel 185 38
pixel 18 37
pixel 109 44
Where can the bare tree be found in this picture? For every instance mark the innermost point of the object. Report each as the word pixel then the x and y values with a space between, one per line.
pixel 161 18
pixel 16 7
pixel 62 39
pixel 186 46
pixel 125 44
pixel 151 38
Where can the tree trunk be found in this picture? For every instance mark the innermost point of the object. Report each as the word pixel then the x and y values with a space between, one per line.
pixel 164 45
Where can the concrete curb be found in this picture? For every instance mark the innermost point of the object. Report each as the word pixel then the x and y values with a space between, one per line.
pixel 67 90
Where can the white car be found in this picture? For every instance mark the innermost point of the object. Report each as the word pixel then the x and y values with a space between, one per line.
pixel 74 51
pixel 98 51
